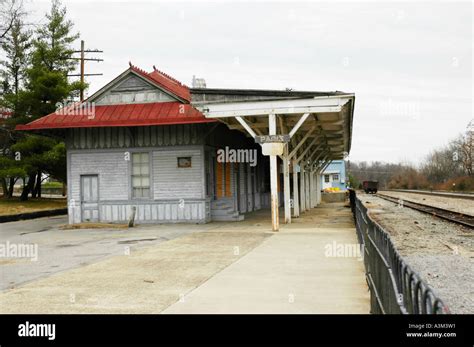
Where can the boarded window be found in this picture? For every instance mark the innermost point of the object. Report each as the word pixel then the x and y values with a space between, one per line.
pixel 141 175
pixel 219 179
pixel 228 186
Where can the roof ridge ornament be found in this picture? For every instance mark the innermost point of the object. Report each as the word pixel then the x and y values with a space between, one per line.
pixel 169 77
pixel 169 83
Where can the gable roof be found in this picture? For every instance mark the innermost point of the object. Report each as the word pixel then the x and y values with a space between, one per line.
pixel 156 113
pixel 85 115
pixel 165 81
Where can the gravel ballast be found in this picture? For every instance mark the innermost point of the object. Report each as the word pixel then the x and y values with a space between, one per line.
pixel 440 251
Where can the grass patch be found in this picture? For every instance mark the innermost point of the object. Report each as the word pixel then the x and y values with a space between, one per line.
pixel 15 206
pixel 52 185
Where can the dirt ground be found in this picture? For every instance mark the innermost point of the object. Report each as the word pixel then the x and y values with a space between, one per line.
pixel 440 251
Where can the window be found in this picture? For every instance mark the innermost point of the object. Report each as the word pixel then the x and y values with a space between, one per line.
pixel 184 162
pixel 335 177
pixel 326 178
pixel 140 175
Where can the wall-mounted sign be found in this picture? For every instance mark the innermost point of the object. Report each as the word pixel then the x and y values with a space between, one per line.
pixel 184 162
pixel 272 138
pixel 272 148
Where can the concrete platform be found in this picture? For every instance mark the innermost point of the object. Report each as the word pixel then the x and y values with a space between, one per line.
pixel 290 272
pixel 222 267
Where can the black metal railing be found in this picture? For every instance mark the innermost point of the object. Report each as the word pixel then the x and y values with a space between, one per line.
pixel 394 287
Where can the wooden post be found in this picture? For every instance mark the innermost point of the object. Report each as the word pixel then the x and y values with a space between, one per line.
pixel 307 191
pixel 273 176
pixel 296 202
pixel 318 187
pixel 302 198
pixel 131 219
pixel 286 185
pixel 315 177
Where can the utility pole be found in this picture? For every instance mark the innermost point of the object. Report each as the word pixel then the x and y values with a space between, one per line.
pixel 82 68
pixel 82 59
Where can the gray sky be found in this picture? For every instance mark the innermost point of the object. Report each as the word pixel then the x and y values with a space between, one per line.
pixel 409 64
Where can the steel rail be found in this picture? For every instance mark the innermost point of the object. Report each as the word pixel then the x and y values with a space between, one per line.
pixel 452 216
pixel 454 195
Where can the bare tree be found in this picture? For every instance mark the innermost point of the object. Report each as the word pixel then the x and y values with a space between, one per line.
pixel 10 11
pixel 467 149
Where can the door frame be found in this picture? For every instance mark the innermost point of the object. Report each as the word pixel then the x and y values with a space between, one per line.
pixel 81 194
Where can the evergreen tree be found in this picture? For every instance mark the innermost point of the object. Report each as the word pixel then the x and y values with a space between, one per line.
pixel 51 62
pixel 45 85
pixel 16 46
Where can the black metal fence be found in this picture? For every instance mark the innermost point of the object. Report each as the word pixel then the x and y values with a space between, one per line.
pixel 394 287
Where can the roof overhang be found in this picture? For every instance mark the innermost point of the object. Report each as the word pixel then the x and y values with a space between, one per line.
pixel 320 127
pixel 148 114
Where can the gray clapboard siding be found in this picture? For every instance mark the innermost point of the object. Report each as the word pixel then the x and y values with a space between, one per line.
pixel 171 182
pixel 193 211
pixel 101 151
pixel 112 169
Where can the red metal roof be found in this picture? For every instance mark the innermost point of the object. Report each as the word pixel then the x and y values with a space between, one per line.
pixel 165 81
pixel 156 113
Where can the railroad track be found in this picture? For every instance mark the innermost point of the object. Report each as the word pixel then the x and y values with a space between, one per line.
pixel 452 216
pixel 469 196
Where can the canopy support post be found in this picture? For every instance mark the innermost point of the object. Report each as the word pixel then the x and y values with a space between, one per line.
pixel 273 176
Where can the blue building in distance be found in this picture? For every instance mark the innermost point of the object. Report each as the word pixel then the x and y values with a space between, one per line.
pixel 334 175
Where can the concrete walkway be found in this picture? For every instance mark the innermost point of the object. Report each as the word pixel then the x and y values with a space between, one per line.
pixel 290 272
pixel 217 267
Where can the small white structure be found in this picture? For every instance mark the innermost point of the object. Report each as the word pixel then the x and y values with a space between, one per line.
pixel 334 176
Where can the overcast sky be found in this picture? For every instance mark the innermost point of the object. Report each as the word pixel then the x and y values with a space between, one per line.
pixel 409 64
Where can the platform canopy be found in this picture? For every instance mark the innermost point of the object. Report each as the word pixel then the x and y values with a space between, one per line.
pixel 307 130
pixel 319 123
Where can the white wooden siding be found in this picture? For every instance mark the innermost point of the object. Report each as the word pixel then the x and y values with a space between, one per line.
pixel 155 212
pixel 112 169
pixel 171 182
pixel 169 185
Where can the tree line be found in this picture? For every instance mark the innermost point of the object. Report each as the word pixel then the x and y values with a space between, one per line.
pixel 35 61
pixel 448 167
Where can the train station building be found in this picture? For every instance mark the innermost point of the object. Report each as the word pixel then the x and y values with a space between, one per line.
pixel 146 142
